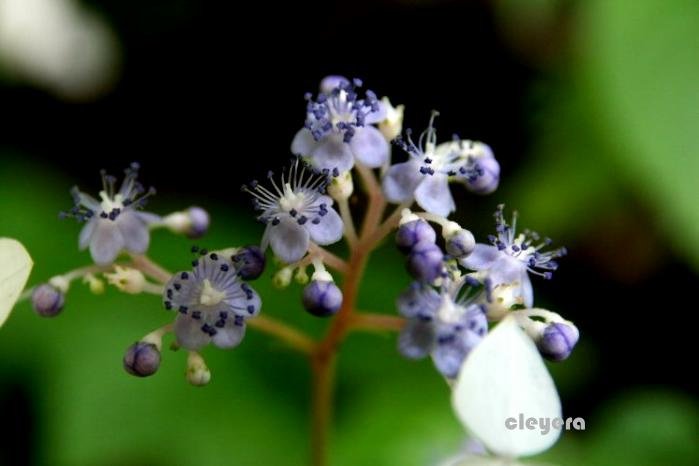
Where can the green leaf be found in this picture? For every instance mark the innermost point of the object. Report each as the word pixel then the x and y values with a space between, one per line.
pixel 640 68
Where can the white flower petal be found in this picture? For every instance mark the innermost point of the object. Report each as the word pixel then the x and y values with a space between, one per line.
pixel 527 292
pixel 229 336
pixel 106 242
pixel 370 147
pixel 134 231
pixel 401 180
pixel 377 116
pixel 331 152
pixel 303 143
pixel 189 334
pixel 148 217
pixel 288 240
pixel 482 257
pixel 503 377
pixel 86 233
pixel 15 265
pixel 433 195
pixel 329 230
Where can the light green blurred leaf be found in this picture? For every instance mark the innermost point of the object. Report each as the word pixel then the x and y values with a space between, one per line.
pixel 640 69
pixel 15 266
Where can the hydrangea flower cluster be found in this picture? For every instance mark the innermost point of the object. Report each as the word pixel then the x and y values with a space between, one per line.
pixel 464 301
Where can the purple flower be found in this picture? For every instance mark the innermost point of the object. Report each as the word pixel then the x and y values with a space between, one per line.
pixel 446 324
pixel 426 175
pixel 296 211
pixel 212 302
pixel 114 223
pixel 338 128
pixel 512 256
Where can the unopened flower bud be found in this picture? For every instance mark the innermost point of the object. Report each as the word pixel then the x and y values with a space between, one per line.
pixel 558 340
pixel 341 187
pixel 95 284
pixel 127 279
pixel 197 372
pixel 486 176
pixel 47 300
pixel 392 125
pixel 458 241
pixel 142 359
pixel 249 262
pixel 301 276
pixel 282 278
pixel 425 262
pixel 193 222
pixel 414 232
pixel 322 298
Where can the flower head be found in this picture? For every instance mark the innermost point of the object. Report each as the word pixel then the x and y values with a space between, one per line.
pixel 115 222
pixel 447 323
pixel 338 127
pixel 296 211
pixel 212 302
pixel 426 175
pixel 512 256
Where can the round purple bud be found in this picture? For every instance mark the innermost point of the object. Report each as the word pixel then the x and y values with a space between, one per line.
pixel 413 232
pixel 425 262
pixel 557 341
pixel 47 300
pixel 322 298
pixel 249 262
pixel 199 222
pixel 460 244
pixel 488 177
pixel 142 359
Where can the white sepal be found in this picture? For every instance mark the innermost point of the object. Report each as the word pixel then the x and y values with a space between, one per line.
pixel 503 377
pixel 15 265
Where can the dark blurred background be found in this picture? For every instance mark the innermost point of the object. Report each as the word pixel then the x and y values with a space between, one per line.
pixel 591 109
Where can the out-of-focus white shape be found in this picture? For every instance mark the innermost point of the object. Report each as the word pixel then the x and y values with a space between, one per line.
pixel 505 377
pixel 57 45
pixel 15 265
pixel 475 460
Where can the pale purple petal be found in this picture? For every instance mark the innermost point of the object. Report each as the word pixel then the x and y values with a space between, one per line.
pixel 433 195
pixel 401 180
pixel 289 240
pixel 148 217
pixel 377 116
pixel 370 147
pixel 86 233
pixel 106 242
pixel 482 257
pixel 331 152
pixel 230 335
pixel 416 340
pixel 527 293
pixel 329 230
pixel 134 231
pixel 332 82
pixel 189 334
pixel 418 301
pixel 506 269
pixel 303 143
pixel 243 304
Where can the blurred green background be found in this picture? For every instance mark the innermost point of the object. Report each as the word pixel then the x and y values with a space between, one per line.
pixel 591 108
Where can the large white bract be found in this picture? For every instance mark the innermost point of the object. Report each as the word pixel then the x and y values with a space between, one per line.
pixel 503 377
pixel 15 265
